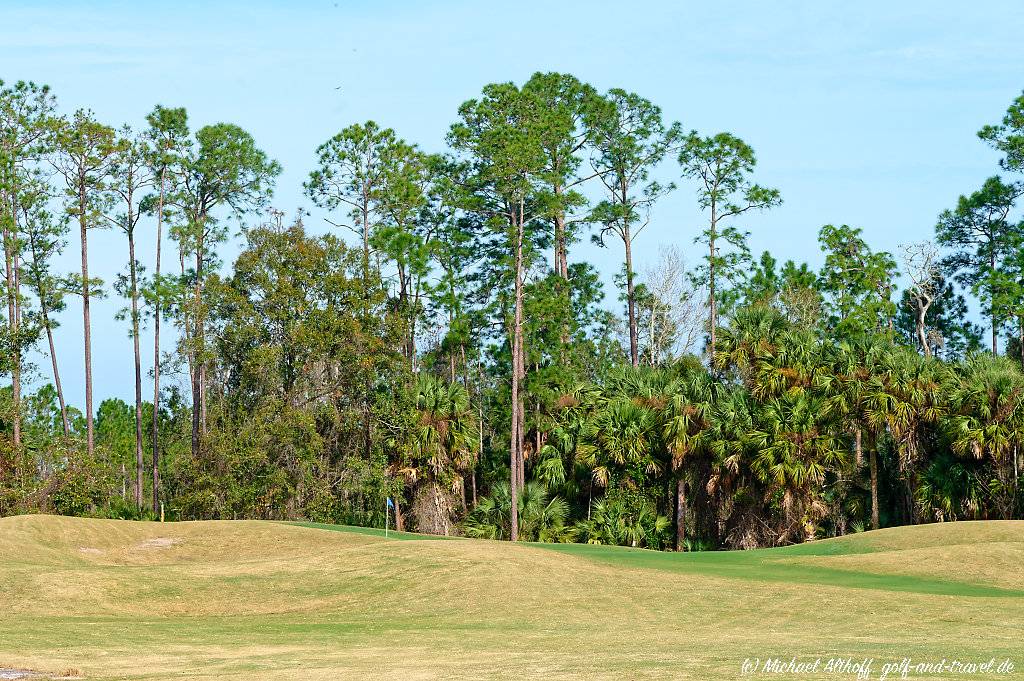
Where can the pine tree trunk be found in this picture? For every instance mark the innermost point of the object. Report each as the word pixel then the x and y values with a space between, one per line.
pixel 1020 337
pixel 911 479
pixel 10 265
pixel 634 350
pixel 995 335
pixel 403 304
pixel 561 267
pixel 522 412
pixel 195 412
pixel 44 313
pixel 1016 474
pixel 56 373
pixel 133 271
pixel 367 384
pixel 712 302
pixel 204 387
pixel 18 354
pixel 198 351
pixel 196 363
pixel 480 447
pixel 515 446
pixel 561 258
pixel 156 347
pixel 465 367
pixel 86 319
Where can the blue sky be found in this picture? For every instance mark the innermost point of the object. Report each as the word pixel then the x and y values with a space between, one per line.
pixel 861 113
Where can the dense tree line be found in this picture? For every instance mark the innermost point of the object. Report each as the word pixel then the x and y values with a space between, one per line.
pixel 452 355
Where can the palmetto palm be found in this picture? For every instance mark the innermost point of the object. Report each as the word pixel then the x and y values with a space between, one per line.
pixel 846 385
pixel 442 443
pixel 986 401
pixel 444 436
pixel 952 487
pixel 792 367
pixel 543 516
pixel 687 423
pixel 564 459
pixel 624 432
pixel 625 429
pixel 797 446
pixel 756 333
pixel 623 436
pixel 902 395
pixel 612 523
pixel 732 483
pixel 794 435
pixel 728 441
pixel 769 355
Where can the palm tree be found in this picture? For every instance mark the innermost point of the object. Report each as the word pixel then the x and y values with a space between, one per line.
pixel 563 461
pixel 624 430
pixel 797 445
pixel 613 523
pixel 902 395
pixel 986 422
pixel 769 355
pixel 952 487
pixel 623 436
pixel 852 367
pixel 627 430
pixel 687 421
pixel 756 332
pixel 443 448
pixel 619 438
pixel 728 441
pixel 794 435
pixel 543 517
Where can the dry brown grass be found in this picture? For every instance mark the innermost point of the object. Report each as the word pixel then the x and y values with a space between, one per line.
pixel 258 600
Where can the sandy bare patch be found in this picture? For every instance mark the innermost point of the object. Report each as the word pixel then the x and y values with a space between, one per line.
pixel 159 543
pixel 82 549
pixel 10 673
pixel 16 674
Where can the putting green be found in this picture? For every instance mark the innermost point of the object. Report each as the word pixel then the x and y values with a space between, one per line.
pixel 261 600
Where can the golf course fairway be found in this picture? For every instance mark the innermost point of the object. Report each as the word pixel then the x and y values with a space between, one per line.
pixel 105 599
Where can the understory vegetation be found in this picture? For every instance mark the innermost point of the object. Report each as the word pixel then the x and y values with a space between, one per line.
pixel 452 359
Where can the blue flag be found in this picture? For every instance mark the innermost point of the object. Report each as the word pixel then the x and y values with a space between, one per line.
pixel 391 504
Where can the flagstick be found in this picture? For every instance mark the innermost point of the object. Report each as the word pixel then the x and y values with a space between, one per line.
pixel 387 514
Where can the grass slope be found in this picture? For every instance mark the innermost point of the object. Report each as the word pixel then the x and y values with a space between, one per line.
pixel 262 600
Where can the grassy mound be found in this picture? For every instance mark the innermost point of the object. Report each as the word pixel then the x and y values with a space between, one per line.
pixel 262 600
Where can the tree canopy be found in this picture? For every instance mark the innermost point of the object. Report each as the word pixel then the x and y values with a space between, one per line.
pixel 437 345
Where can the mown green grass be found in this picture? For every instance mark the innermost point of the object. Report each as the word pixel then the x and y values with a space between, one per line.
pixel 764 565
pixel 777 565
pixel 260 600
